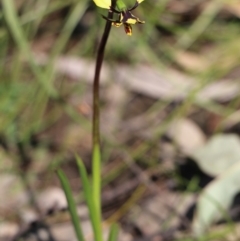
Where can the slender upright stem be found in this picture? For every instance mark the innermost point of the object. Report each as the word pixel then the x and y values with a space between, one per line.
pixel 96 159
pixel 99 61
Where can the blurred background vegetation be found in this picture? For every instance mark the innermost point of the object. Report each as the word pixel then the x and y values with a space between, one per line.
pixel 182 64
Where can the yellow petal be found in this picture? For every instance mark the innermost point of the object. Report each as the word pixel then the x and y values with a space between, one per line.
pixel 131 21
pixel 103 3
pixel 139 1
pixel 116 24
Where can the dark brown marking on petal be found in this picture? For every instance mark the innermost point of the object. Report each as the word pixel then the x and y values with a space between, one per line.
pixel 128 29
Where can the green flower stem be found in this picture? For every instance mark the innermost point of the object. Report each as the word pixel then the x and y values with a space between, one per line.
pixel 96 160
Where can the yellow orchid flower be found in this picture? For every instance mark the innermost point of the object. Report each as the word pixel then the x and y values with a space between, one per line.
pixel 125 15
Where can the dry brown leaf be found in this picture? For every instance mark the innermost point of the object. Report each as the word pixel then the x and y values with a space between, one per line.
pixel 191 61
pixel 187 135
pixel 167 84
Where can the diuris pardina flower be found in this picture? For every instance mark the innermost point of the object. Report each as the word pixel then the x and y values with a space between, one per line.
pixel 125 15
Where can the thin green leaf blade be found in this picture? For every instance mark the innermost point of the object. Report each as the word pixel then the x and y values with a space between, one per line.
pixel 13 23
pixel 18 34
pixel 113 234
pixel 71 205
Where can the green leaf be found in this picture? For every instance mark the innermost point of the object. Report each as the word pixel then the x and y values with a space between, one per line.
pixel 216 198
pixel 93 209
pixel 71 205
pixel 113 234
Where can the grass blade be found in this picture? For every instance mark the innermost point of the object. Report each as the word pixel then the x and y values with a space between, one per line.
pixel 18 35
pixel 113 234
pixel 71 205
